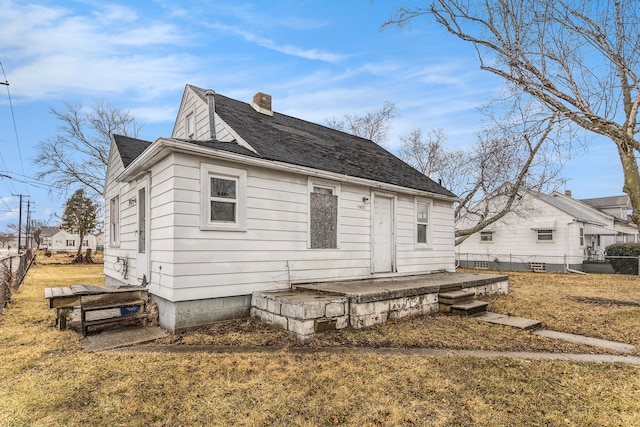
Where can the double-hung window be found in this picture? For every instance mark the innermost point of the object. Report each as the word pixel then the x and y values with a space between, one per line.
pixel 223 198
pixel 114 220
pixel 423 237
pixel 486 236
pixel 190 125
pixel 545 235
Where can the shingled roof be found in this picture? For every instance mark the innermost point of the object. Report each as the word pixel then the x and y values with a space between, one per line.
pixel 286 139
pixel 129 148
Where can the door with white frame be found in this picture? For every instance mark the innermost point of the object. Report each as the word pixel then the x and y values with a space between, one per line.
pixel 142 231
pixel 382 238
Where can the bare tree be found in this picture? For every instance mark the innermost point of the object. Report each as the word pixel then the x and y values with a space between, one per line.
pixel 373 125
pixel 430 155
pixel 78 155
pixel 521 149
pixel 578 58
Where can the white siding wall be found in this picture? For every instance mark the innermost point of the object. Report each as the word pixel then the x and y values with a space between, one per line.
pixel 189 263
pixel 513 237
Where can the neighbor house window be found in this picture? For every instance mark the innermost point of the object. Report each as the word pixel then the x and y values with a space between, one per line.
pixel 114 220
pixel 223 198
pixel 71 243
pixel 545 235
pixel 190 125
pixel 422 223
pixel 85 243
pixel 323 217
pixel 581 236
pixel 486 236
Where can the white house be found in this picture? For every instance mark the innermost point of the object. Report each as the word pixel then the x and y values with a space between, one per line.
pixel 242 198
pixel 552 232
pixel 57 240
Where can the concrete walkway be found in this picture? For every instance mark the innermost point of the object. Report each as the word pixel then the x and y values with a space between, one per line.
pixel 421 352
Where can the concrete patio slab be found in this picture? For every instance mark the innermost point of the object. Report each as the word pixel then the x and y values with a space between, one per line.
pixel 507 320
pixel 385 288
pixel 580 339
pixel 118 338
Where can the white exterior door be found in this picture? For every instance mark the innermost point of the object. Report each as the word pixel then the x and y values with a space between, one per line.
pixel 142 232
pixel 382 238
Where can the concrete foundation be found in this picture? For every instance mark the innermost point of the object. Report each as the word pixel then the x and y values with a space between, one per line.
pixel 314 308
pixel 184 315
pixel 301 313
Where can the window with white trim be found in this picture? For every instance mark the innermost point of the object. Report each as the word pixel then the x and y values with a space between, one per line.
pixel 190 125
pixel 422 223
pixel 581 236
pixel 486 236
pixel 545 235
pixel 71 243
pixel 223 198
pixel 114 220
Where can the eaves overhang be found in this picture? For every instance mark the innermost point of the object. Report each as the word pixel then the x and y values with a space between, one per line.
pixel 163 147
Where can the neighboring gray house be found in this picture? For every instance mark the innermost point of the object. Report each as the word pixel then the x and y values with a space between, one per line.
pixel 242 198
pixel 547 232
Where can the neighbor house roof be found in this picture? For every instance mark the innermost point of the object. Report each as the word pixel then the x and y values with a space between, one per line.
pixel 557 202
pixel 607 202
pixel 47 231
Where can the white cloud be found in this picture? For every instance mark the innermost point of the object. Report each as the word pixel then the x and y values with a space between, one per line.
pixel 287 49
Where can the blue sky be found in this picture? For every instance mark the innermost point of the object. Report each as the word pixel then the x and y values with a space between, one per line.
pixel 317 58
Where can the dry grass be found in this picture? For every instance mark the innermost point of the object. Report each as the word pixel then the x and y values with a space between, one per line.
pixel 47 380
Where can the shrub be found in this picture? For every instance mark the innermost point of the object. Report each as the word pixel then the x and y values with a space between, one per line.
pixel 624 266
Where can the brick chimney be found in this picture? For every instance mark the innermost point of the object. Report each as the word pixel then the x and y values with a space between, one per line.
pixel 262 103
pixel 567 193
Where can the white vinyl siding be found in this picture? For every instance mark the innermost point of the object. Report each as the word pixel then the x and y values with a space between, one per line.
pixel 274 251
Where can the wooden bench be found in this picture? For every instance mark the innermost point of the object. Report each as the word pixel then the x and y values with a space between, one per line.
pixel 63 300
pixel 122 302
pixel 91 299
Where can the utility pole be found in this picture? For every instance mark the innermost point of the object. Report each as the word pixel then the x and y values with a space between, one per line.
pixel 20 221
pixel 27 240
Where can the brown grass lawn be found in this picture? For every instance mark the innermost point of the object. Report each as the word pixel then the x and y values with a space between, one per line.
pixel 47 380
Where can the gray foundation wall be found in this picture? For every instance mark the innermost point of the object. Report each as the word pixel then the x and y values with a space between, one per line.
pixel 184 315
pixel 518 266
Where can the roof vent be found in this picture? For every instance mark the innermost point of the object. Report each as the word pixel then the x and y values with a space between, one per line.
pixel 262 103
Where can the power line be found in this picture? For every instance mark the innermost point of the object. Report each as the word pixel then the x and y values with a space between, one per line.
pixel 13 118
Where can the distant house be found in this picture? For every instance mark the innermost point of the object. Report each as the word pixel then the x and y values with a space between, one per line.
pixel 242 198
pixel 57 240
pixel 550 232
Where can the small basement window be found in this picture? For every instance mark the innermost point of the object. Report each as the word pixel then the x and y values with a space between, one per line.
pixel 481 265
pixel 537 266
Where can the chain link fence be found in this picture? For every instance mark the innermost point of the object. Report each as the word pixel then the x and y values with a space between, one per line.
pixel 13 269
pixel 593 263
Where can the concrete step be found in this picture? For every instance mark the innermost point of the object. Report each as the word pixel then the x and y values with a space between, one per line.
pixel 469 308
pixel 508 320
pixel 456 297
